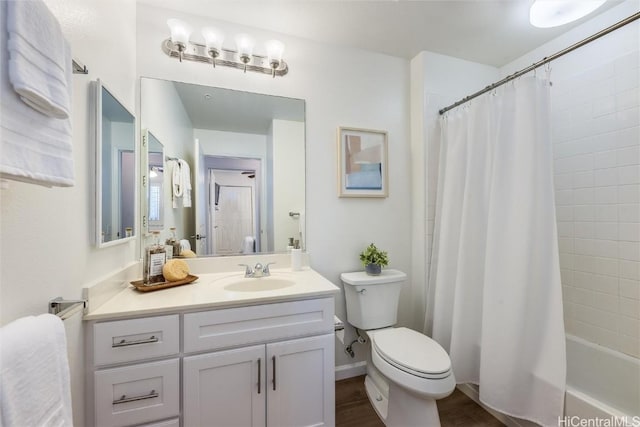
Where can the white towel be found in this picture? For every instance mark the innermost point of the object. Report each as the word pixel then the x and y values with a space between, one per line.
pixel 35 381
pixel 35 148
pixel 181 184
pixel 185 245
pixel 186 181
pixel 39 58
pixel 177 187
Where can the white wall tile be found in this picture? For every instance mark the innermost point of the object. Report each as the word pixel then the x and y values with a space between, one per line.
pixel 605 177
pixel 629 269
pixel 565 229
pixel 628 156
pixel 584 246
pixel 583 196
pixel 605 195
pixel 583 179
pixel 564 213
pixel 629 213
pixel 584 230
pixel 606 230
pixel 629 326
pixel 605 248
pixel 583 213
pixel 629 193
pixel 630 307
pixel 564 197
pixel 604 284
pixel 607 267
pixel 626 137
pixel 629 232
pixel 629 174
pixel 629 345
pixel 583 279
pixel 606 213
pixel 629 251
pixel 630 288
pixel 606 159
pixel 566 245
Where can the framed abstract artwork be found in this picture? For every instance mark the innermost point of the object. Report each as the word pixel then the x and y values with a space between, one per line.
pixel 362 163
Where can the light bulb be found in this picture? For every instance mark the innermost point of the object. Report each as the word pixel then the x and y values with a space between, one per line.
pixel 180 33
pixel 213 39
pixel 244 44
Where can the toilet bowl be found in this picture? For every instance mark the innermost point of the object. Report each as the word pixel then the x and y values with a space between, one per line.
pixel 406 370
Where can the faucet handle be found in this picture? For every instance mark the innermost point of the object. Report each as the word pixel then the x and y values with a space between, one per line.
pixel 248 270
pixel 265 269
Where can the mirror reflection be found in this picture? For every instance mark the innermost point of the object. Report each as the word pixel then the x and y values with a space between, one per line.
pixel 244 191
pixel 116 160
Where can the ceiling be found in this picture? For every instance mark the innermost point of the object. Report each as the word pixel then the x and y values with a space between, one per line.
pixel 493 32
pixel 236 111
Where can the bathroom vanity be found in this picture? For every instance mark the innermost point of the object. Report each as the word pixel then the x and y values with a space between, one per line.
pixel 219 352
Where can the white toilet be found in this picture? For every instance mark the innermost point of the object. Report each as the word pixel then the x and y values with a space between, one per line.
pixel 406 370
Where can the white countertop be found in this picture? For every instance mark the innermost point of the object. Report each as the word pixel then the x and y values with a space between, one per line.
pixel 208 293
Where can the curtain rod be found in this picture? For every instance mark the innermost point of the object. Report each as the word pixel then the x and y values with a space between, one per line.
pixel 544 60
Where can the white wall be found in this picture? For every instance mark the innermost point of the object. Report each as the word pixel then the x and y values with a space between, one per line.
pixel 165 116
pixel 46 233
pixel 362 89
pixel 596 136
pixel 288 181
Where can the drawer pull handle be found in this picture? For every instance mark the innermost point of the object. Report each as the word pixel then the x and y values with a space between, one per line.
pixel 125 343
pixel 273 358
pixel 125 399
pixel 259 375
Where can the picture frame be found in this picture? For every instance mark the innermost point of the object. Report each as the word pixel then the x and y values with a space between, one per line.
pixel 362 162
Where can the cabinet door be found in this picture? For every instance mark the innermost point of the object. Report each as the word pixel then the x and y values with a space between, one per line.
pixel 301 389
pixel 226 388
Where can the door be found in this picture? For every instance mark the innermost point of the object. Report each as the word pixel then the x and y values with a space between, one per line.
pixel 225 388
pixel 233 219
pixel 301 379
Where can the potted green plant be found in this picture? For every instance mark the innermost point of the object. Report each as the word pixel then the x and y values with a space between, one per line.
pixel 373 260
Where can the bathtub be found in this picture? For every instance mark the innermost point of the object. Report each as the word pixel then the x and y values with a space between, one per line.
pixel 601 383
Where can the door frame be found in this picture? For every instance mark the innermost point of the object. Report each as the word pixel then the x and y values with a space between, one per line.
pixel 235 163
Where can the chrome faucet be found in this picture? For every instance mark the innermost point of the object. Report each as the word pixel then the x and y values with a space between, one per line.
pixel 257 271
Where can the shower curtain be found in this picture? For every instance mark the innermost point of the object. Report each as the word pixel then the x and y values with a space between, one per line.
pixel 495 266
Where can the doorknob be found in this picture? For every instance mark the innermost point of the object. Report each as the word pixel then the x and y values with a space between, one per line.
pixel 198 237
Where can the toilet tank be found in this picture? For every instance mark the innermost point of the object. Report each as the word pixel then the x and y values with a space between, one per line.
pixel 372 301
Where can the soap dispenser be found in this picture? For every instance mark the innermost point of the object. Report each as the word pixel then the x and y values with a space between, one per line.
pixel 296 256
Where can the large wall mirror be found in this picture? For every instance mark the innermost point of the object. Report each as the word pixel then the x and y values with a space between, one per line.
pixel 245 157
pixel 115 169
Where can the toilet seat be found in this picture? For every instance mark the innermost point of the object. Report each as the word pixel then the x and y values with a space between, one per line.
pixel 411 352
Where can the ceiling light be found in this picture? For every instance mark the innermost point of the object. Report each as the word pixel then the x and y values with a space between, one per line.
pixel 179 46
pixel 553 13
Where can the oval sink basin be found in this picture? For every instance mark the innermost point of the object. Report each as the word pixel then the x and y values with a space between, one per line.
pixel 259 284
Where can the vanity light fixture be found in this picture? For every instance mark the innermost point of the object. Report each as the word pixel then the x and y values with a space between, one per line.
pixel 212 52
pixel 553 13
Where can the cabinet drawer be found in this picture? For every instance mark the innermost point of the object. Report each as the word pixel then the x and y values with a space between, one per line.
pixel 173 422
pixel 209 330
pixel 137 394
pixel 135 339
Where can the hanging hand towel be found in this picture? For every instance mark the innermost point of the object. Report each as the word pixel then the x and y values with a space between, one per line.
pixel 35 148
pixel 39 58
pixel 35 381
pixel 186 182
pixel 177 186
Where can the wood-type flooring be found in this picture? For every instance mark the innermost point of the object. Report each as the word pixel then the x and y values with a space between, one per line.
pixel 354 410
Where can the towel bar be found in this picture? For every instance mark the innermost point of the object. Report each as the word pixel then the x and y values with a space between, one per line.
pixel 66 308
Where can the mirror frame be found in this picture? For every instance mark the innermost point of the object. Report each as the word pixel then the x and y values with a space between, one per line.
pixel 99 86
pixel 145 143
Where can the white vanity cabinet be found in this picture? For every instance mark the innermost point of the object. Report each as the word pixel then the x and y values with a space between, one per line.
pixel 260 365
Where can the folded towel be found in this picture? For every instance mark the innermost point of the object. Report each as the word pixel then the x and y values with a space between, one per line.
pixel 35 148
pixel 35 381
pixel 39 58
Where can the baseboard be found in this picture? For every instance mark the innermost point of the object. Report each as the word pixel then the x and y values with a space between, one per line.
pixel 351 370
pixel 471 391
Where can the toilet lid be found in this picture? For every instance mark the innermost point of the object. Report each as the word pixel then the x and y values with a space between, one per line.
pixel 411 351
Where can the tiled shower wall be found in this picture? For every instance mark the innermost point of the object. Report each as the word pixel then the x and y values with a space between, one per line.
pixel 596 136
